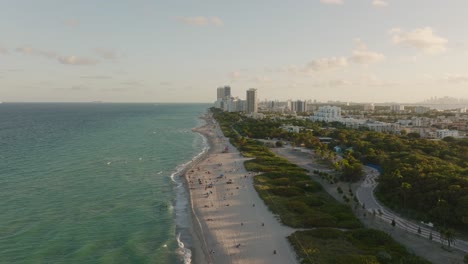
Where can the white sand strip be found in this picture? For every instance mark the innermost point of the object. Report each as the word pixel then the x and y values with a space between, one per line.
pixel 237 226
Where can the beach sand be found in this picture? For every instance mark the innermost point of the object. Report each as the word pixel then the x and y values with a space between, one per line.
pixel 231 222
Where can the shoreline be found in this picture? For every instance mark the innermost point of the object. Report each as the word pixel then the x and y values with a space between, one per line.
pixel 230 222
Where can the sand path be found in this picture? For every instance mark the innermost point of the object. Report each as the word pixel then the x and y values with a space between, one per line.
pixel 237 226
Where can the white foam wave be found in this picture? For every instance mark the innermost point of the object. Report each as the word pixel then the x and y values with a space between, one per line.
pixel 185 253
pixel 184 166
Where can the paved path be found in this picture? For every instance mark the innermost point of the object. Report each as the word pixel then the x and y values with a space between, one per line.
pixel 365 195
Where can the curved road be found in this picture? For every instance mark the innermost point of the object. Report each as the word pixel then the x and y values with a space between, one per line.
pixel 365 195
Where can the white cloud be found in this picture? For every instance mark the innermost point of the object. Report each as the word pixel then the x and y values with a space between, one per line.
pixel 106 54
pixel 262 79
pixel 362 55
pixel 324 64
pixel 379 3
pixel 235 75
pixel 332 2
pixel 455 78
pixel 217 21
pixel 74 60
pixel 201 21
pixel 339 82
pixel 422 39
pixel 32 51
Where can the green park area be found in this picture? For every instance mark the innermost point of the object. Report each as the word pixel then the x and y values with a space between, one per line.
pixel 335 235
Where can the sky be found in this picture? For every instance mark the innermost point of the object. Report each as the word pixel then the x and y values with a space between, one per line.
pixel 181 51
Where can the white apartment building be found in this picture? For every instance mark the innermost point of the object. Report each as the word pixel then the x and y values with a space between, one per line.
pixel 383 127
pixel 442 133
pixel 327 114
pixel 397 108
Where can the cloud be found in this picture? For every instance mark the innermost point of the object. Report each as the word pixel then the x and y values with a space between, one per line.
pixel 32 51
pixel 372 80
pixel 339 82
pixel 3 50
pixel 79 88
pixel 74 60
pixel 165 83
pixel 324 64
pixel 106 54
pixel 379 3
pixel 422 39
pixel 70 60
pixel 235 75
pixel 201 21
pixel 262 79
pixel 132 83
pixel 332 2
pixel 455 78
pixel 362 55
pixel 72 22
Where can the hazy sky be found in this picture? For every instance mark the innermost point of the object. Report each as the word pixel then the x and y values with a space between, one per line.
pixel 180 51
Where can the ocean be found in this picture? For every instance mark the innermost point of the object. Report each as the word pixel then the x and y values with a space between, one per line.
pixel 96 183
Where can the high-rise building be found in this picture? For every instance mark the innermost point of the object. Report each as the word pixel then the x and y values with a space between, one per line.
pixel 252 101
pixel 227 91
pixel 299 106
pixel 220 93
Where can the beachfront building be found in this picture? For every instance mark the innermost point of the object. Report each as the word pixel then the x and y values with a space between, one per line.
pixel 252 101
pixel 226 102
pixel 223 92
pixel 234 104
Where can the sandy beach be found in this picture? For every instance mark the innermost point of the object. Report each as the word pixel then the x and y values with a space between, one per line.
pixel 231 222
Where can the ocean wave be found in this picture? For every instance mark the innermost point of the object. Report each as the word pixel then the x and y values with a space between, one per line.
pixel 180 169
pixel 182 208
pixel 184 252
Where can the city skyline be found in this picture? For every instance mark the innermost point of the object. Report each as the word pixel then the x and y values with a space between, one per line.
pixel 151 51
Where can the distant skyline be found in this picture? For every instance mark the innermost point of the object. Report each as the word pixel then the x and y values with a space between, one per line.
pixel 181 51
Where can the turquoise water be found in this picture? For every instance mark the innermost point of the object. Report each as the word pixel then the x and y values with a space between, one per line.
pixel 90 183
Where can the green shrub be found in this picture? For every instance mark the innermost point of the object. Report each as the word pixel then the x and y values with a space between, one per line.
pixel 297 207
pixel 286 191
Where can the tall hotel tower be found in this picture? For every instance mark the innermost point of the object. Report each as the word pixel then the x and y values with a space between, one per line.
pixel 252 104
pixel 223 92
